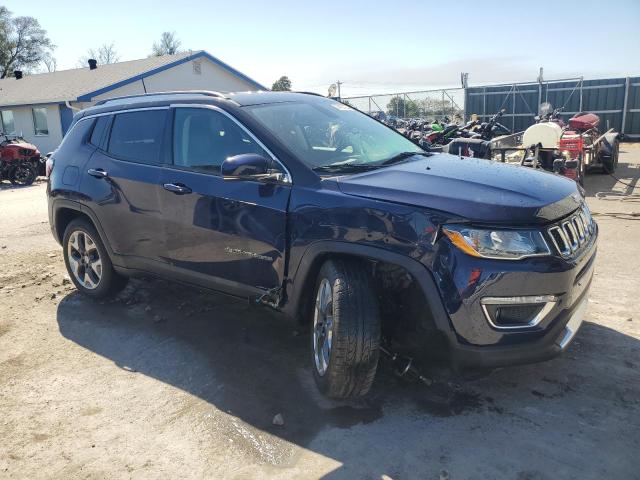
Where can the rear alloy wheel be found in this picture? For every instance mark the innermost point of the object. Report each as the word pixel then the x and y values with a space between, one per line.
pixel 84 259
pixel 88 262
pixel 345 330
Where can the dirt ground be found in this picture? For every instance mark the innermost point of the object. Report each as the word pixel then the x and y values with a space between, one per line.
pixel 164 382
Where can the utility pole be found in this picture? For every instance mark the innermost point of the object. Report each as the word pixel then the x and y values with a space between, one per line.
pixel 338 83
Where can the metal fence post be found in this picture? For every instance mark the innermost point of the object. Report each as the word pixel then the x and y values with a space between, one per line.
pixel 513 109
pixel 539 95
pixel 464 107
pixel 484 102
pixel 581 85
pixel 627 84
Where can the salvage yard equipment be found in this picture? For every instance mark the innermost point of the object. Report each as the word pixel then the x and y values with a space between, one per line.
pixel 21 161
pixel 570 150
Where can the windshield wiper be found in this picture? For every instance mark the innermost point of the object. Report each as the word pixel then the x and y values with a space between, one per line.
pixel 400 157
pixel 346 167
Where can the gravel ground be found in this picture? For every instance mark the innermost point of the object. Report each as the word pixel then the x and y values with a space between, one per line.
pixel 166 382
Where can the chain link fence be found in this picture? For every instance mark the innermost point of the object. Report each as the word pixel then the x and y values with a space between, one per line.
pixel 426 104
pixel 615 100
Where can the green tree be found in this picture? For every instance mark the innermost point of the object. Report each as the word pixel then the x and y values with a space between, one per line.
pixel 23 43
pixel 168 45
pixel 400 107
pixel 283 84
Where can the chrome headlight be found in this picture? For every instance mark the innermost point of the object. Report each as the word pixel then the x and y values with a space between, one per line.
pixel 499 244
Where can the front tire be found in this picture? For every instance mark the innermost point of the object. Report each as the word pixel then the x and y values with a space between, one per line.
pixel 88 262
pixel 345 332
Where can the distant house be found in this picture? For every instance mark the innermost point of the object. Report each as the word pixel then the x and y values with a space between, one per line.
pixel 40 107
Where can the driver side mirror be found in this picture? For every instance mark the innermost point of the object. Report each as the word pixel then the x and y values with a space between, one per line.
pixel 248 166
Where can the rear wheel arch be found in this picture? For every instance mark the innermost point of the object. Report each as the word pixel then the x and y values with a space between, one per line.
pixel 64 216
pixel 65 211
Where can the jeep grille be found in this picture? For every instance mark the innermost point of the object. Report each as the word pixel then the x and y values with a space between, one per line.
pixel 572 233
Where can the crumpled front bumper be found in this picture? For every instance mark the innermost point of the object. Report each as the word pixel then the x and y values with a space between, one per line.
pixel 554 342
pixel 463 282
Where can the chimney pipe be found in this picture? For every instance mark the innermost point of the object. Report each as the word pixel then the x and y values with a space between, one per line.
pixel 17 74
pixel 93 64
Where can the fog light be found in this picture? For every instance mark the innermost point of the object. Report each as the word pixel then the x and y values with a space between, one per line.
pixel 517 313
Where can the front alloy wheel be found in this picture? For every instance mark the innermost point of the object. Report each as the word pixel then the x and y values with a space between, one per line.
pixel 323 327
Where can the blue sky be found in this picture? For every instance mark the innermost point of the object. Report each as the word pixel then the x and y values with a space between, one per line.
pixel 373 47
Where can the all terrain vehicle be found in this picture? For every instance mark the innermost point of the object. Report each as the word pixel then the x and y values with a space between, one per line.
pixel 20 161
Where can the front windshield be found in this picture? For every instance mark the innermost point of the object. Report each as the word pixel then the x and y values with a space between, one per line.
pixel 329 133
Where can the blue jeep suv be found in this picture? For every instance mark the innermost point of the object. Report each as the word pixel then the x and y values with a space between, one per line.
pixel 308 206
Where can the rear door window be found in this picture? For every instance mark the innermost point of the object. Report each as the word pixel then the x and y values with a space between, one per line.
pixel 137 136
pixel 97 136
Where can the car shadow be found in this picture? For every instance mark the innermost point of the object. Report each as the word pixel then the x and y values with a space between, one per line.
pixel 253 364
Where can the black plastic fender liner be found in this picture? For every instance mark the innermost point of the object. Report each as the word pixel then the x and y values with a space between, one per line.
pixel 296 291
pixel 608 142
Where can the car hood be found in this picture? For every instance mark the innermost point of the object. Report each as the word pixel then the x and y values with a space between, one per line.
pixel 478 190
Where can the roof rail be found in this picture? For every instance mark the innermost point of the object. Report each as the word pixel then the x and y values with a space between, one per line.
pixel 208 93
pixel 312 93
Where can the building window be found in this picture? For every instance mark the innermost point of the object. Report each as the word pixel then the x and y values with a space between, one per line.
pixel 40 126
pixel 8 126
pixel 197 68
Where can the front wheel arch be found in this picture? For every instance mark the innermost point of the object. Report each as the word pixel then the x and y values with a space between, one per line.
pixel 302 279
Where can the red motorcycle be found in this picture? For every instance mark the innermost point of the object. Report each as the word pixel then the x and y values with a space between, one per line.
pixel 19 161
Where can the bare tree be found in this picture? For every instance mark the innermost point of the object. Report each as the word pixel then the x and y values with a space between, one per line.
pixel 168 45
pixel 23 43
pixel 50 63
pixel 104 54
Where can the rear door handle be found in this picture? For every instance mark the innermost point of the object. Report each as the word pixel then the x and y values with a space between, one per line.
pixel 177 188
pixel 97 172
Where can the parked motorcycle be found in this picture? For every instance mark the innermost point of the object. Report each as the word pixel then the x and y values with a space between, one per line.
pixel 471 140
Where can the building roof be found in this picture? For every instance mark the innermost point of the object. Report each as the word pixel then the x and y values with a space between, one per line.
pixel 81 84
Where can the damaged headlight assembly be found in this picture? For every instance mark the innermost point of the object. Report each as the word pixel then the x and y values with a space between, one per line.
pixel 499 244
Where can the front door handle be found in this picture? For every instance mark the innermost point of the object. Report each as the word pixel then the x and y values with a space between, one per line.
pixel 97 172
pixel 177 188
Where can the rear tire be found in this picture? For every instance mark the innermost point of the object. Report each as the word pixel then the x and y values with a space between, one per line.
pixel 346 314
pixel 88 262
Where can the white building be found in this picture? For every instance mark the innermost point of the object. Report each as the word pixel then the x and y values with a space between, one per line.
pixel 40 107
